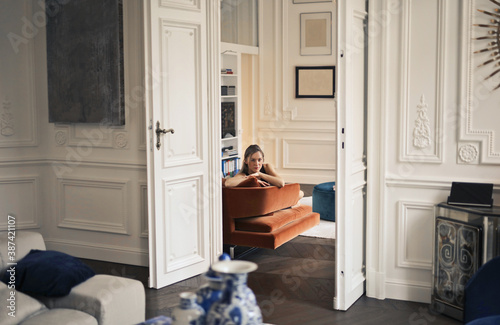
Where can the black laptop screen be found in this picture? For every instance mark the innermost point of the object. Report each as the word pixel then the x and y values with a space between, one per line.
pixel 471 194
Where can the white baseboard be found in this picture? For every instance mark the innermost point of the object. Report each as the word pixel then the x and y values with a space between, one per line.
pixel 100 252
pixel 417 292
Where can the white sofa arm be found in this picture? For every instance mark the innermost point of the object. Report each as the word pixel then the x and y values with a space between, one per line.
pixel 24 241
pixel 110 299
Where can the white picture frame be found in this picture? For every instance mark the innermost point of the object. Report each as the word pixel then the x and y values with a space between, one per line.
pixel 316 33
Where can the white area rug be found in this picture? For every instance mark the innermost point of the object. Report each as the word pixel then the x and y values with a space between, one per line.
pixel 325 229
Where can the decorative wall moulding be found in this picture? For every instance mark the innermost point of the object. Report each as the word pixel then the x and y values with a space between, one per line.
pixel 121 140
pixel 90 136
pixel 468 153
pixel 422 119
pixel 422 129
pixel 21 199
pixel 143 190
pixel 405 238
pixel 7 128
pixel 61 137
pixel 108 212
pixel 295 156
pixel 182 4
pixel 479 103
pixel 18 95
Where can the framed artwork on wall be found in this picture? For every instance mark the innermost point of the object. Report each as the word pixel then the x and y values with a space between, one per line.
pixel 85 69
pixel 315 82
pixel 316 33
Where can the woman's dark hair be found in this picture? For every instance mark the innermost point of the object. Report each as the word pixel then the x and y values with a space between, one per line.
pixel 250 151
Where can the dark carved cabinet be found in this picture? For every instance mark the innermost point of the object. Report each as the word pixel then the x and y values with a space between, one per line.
pixel 465 238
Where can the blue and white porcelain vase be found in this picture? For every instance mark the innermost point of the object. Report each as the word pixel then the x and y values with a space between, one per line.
pixel 238 305
pixel 189 312
pixel 212 291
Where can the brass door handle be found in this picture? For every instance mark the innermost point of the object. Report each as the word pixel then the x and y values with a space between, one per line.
pixel 159 131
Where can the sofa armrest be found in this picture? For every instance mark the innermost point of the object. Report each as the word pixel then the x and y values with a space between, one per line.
pixel 24 242
pixel 110 299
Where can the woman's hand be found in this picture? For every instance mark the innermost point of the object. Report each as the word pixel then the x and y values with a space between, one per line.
pixel 263 183
pixel 259 179
pixel 256 175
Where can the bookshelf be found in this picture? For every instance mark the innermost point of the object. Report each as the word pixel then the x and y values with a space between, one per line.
pixel 230 94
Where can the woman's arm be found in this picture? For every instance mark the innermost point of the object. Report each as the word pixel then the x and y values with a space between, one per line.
pixel 235 180
pixel 270 176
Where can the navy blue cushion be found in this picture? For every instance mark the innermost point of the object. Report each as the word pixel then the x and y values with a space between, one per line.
pixel 48 273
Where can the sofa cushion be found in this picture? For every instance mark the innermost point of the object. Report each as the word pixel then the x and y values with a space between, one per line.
pixel 49 273
pixel 18 306
pixel 110 299
pixel 272 221
pixel 61 316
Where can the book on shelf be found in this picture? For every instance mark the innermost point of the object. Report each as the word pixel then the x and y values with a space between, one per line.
pixel 228 119
pixel 226 71
pixel 230 167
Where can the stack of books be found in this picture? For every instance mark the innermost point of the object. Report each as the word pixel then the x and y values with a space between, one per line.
pixel 230 167
pixel 226 71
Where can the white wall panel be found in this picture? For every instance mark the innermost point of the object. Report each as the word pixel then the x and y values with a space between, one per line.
pixel 422 79
pixel 18 102
pixel 20 197
pixel 93 204
pixel 415 220
pixel 309 154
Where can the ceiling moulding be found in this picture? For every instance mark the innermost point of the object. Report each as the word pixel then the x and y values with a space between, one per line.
pixel 477 112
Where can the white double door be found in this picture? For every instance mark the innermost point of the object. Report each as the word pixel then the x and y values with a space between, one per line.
pixel 184 213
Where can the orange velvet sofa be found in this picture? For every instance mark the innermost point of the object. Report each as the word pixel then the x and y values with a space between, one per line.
pixel 264 217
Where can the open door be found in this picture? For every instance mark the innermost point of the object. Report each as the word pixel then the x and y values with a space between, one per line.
pixel 351 153
pixel 179 150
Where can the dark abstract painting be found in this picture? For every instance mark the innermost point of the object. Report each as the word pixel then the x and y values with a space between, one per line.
pixel 85 61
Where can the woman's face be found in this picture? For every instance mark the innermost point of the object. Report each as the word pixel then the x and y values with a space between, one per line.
pixel 255 162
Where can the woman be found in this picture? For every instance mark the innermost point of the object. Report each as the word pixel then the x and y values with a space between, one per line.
pixel 254 166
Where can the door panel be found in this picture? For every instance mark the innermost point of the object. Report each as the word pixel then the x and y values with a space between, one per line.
pixel 176 67
pixel 181 92
pixel 351 153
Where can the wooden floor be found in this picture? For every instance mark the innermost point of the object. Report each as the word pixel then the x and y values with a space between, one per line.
pixel 294 284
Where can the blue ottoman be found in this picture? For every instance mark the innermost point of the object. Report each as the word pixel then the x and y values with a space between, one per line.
pixel 323 200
